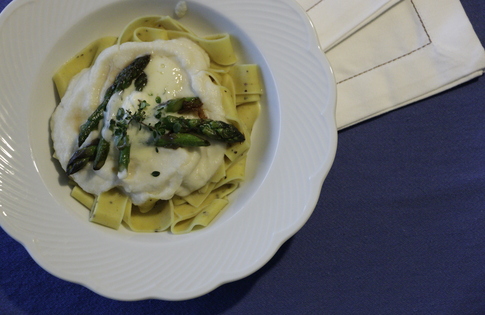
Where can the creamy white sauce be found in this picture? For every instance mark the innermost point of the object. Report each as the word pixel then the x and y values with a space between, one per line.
pixel 176 69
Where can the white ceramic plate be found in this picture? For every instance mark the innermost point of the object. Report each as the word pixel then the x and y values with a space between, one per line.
pixel 293 148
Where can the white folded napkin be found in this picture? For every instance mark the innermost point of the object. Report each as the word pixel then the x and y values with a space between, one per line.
pixel 334 20
pixel 387 54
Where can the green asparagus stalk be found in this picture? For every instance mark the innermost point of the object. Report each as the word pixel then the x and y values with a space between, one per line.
pixel 211 129
pixel 122 81
pixel 124 158
pixel 81 157
pixel 184 104
pixel 124 147
pixel 141 81
pixel 77 165
pixel 102 151
pixel 178 140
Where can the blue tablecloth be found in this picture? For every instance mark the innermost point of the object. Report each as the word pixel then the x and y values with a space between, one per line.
pixel 399 228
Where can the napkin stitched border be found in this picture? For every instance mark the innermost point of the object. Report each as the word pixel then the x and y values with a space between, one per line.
pixel 397 58
pixel 318 2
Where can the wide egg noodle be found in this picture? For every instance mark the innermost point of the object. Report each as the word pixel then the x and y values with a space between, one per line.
pixel 218 47
pixel 196 198
pixel 246 79
pixel 202 219
pixel 235 173
pixel 158 219
pixel 248 113
pixel 187 217
pixel 234 151
pixel 84 59
pixel 183 214
pixel 149 28
pixel 155 22
pixel 109 208
pixel 147 34
pixel 83 197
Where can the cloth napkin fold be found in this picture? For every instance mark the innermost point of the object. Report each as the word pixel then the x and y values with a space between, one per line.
pixel 335 20
pixel 387 54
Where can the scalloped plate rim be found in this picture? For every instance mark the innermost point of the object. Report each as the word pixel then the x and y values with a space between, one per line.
pixel 279 237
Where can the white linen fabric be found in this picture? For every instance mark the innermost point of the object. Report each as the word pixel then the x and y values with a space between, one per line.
pixel 387 54
pixel 334 20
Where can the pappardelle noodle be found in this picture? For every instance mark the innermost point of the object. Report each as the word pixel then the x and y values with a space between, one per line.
pixel 160 108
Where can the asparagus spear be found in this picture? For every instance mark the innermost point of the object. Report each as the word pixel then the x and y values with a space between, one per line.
pixel 81 157
pixel 211 129
pixel 124 147
pixel 122 81
pixel 102 151
pixel 184 104
pixel 141 81
pixel 177 140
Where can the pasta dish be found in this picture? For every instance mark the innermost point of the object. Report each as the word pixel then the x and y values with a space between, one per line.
pixel 154 125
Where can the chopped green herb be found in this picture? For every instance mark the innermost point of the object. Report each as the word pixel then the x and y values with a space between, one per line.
pixel 120 114
pixel 155 173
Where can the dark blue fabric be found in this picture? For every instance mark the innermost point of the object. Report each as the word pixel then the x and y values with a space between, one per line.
pixel 399 228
